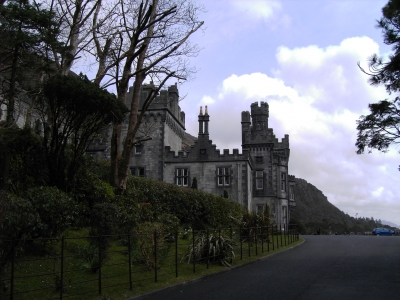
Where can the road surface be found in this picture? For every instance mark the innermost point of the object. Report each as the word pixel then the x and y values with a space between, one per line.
pixel 323 267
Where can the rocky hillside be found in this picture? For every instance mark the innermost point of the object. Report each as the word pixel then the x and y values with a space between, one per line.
pixel 187 141
pixel 313 211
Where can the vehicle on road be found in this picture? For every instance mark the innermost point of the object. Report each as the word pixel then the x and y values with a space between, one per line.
pixel 382 231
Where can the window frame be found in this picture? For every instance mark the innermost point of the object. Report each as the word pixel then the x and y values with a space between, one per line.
pixel 259 179
pixel 180 178
pixel 283 182
pixel 138 147
pixel 224 177
pixel 138 171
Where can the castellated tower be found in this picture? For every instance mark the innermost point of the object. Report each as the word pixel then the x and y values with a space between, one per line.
pixel 270 176
pixel 164 122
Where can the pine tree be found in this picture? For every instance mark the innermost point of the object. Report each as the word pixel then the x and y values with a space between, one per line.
pixel 381 128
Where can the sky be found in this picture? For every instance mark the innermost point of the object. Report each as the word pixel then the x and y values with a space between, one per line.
pixel 299 56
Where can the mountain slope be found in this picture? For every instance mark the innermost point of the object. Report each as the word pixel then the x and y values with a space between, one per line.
pixel 313 211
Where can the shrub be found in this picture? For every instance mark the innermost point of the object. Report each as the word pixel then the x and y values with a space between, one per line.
pixel 23 150
pixel 90 256
pixel 150 235
pixel 190 206
pixel 102 224
pixel 213 248
pixel 18 220
pixel 56 209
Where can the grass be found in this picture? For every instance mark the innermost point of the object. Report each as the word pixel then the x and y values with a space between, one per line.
pixel 38 277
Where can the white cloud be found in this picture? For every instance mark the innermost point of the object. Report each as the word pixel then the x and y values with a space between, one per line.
pixel 207 100
pixel 378 191
pixel 316 96
pixel 257 9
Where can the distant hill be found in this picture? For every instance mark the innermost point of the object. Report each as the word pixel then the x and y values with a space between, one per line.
pixel 187 141
pixel 313 211
pixel 390 224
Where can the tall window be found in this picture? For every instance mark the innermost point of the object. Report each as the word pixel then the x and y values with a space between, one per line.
pixel 182 176
pixel 283 182
pixel 224 176
pixel 260 209
pixel 291 192
pixel 259 180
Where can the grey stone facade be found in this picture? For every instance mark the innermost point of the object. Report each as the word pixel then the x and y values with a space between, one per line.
pixel 255 178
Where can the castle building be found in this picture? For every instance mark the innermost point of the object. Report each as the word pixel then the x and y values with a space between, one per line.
pixel 255 178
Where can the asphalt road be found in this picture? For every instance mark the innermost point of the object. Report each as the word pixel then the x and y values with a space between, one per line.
pixel 323 267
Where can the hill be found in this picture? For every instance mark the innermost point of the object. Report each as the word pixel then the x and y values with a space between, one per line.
pixel 313 211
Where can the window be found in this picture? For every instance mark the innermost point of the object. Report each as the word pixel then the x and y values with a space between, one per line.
pixel 182 176
pixel 291 192
pixel 140 172
pixel 138 148
pixel 224 176
pixel 137 171
pixel 283 182
pixel 260 209
pixel 259 180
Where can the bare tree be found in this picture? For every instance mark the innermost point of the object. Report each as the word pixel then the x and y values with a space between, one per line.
pixel 124 41
pixel 164 57
pixel 152 42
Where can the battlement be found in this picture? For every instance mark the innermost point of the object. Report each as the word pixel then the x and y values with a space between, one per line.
pixel 167 99
pixel 292 178
pixel 263 109
pixel 208 151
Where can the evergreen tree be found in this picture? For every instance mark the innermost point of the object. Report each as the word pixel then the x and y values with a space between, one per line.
pixel 26 32
pixel 381 128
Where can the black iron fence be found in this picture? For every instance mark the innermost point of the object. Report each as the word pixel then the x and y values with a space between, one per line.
pixel 77 267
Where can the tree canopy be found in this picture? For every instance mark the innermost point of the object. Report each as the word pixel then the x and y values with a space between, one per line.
pixel 73 110
pixel 381 128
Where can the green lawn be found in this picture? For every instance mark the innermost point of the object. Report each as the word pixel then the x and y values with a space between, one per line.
pixel 38 277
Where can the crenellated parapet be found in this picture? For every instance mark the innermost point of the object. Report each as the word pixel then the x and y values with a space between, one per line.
pixel 292 178
pixel 205 152
pixel 167 99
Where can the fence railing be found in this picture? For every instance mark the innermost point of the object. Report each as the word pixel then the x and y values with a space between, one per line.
pixel 71 267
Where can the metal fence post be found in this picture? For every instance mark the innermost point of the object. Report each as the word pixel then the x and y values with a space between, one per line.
pixel 273 238
pixel 12 269
pixel 284 233
pixel 241 244
pixel 280 228
pixel 176 253
pixel 130 260
pixel 268 239
pixel 262 238
pixel 231 235
pixel 155 256
pixel 248 241
pixel 194 253
pixel 62 268
pixel 100 263
pixel 255 240
pixel 208 248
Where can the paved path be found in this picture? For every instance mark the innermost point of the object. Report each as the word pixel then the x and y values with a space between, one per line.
pixel 323 267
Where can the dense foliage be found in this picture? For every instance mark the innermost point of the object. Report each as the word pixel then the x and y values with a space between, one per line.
pixel 190 206
pixel 380 128
pixel 73 110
